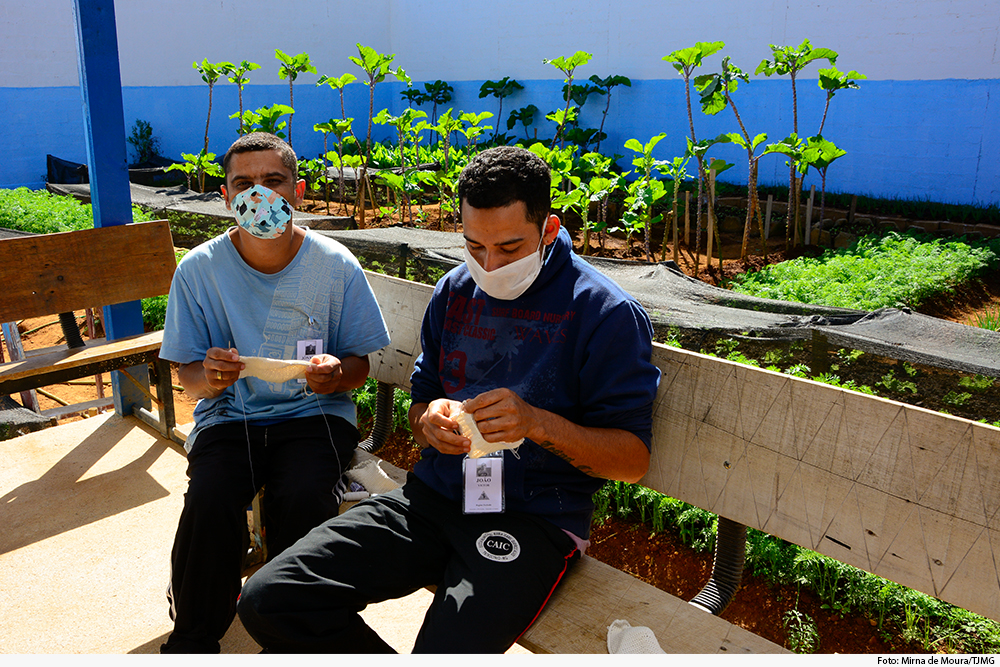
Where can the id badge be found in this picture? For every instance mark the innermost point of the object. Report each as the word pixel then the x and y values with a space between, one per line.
pixel 307 348
pixel 483 490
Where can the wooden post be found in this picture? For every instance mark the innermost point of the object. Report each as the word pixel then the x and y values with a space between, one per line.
pixel 98 379
pixel 673 221
pixel 854 205
pixel 687 219
pixel 13 339
pixel 793 213
pixel 404 251
pixel 767 217
pixel 820 353
pixel 711 217
pixel 809 215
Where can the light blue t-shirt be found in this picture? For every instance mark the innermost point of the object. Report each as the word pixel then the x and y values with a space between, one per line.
pixel 218 300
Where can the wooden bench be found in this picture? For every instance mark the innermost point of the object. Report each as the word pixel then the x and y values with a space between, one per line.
pixel 905 493
pixel 61 273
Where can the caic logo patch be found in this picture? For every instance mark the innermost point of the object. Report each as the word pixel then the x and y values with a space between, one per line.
pixel 499 546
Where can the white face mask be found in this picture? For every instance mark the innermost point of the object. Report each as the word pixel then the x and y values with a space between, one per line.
pixel 509 281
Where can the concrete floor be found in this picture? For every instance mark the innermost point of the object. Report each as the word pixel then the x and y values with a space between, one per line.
pixel 87 516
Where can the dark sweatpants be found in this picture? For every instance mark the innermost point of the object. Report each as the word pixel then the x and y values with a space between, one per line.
pixel 227 466
pixel 494 573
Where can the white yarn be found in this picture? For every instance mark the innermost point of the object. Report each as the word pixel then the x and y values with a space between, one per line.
pixel 480 448
pixel 273 370
pixel 623 638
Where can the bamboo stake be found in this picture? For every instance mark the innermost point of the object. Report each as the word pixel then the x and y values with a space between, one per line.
pixel 809 214
pixel 796 241
pixel 711 217
pixel 673 216
pixel 51 396
pixel 687 219
pixel 767 219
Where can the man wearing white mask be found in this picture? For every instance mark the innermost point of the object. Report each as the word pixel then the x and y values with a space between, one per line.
pixel 550 362
pixel 264 288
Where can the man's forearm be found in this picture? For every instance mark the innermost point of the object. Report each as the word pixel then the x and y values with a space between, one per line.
pixel 192 378
pixel 608 453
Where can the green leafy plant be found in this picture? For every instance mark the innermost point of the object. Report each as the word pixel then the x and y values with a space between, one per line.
pixel 875 272
pixel 238 75
pixel 210 74
pixel 291 67
pixel 644 192
pixel 685 61
pixel 198 164
pixel 267 119
pixel 833 80
pixel 406 133
pixel 676 170
pixel 790 60
pixel 977 383
pixel 819 154
pixel 956 399
pixel 895 385
pixel 606 85
pixel 568 67
pixel 145 145
pixel 803 635
pixel 525 116
pixel 988 319
pixel 376 67
pixel 42 212
pixel 716 94
pixel 501 89
pixel 337 128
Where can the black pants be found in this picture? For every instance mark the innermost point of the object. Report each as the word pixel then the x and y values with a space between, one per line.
pixel 299 461
pixel 494 573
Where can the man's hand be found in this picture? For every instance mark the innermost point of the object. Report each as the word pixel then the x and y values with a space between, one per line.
pixel 210 377
pixel 433 426
pixel 325 374
pixel 503 416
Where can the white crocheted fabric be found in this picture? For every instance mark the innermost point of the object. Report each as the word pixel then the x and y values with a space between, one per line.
pixel 623 638
pixel 273 370
pixel 480 448
pixel 369 475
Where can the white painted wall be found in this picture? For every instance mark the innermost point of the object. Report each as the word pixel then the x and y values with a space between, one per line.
pixel 459 40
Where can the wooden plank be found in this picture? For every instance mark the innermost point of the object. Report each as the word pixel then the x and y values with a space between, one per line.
pixel 119 353
pixel 403 303
pixel 57 273
pixel 594 595
pixel 64 411
pixel 906 493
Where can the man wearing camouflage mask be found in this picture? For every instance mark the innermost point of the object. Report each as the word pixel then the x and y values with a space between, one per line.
pixel 264 288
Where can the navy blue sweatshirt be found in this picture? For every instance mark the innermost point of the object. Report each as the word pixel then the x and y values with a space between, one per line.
pixel 574 343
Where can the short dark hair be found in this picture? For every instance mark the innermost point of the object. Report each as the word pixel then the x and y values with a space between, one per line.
pixel 262 141
pixel 498 177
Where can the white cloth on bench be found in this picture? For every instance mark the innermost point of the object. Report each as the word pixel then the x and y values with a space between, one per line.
pixel 371 476
pixel 623 638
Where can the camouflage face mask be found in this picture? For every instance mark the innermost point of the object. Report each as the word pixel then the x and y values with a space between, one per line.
pixel 262 212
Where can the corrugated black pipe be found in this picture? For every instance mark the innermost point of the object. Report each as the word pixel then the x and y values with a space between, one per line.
pixel 70 330
pixel 383 419
pixel 727 571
